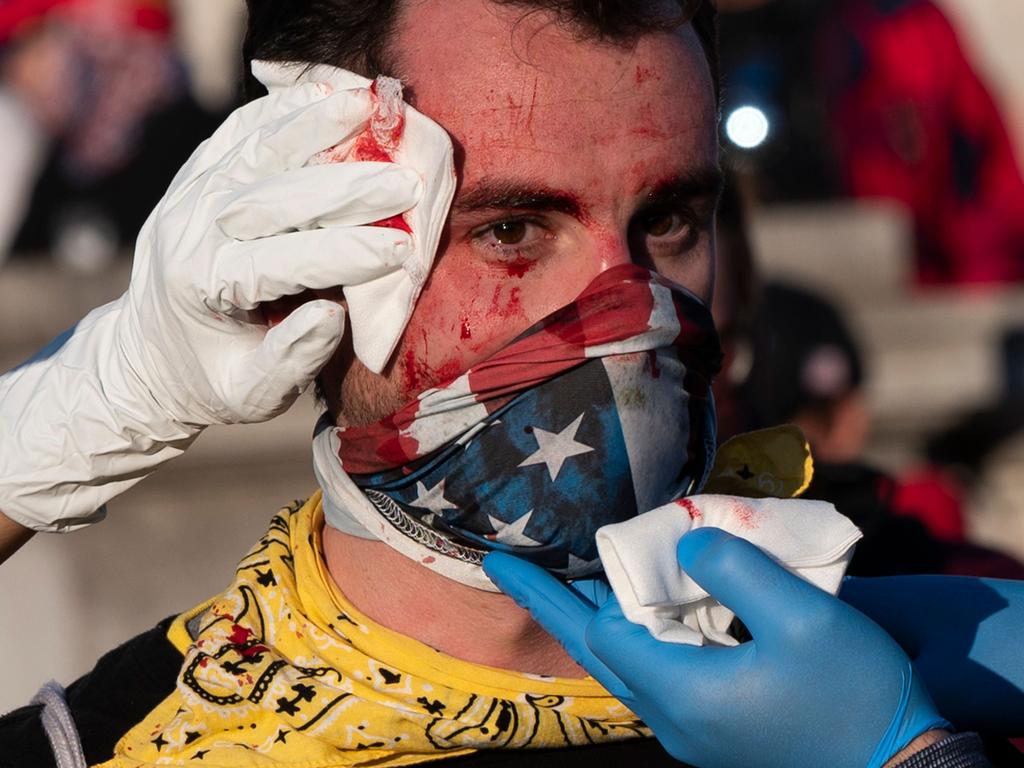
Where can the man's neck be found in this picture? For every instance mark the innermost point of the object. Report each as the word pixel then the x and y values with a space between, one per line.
pixel 469 624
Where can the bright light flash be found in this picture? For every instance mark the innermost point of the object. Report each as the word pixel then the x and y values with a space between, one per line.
pixel 747 127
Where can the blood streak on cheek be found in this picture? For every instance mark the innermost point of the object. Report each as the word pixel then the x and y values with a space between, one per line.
pixel 414 372
pixel 515 305
pixel 505 306
pixel 448 370
pixel 467 329
pixel 418 375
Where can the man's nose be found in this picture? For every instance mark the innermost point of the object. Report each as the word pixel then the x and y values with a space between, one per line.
pixel 613 249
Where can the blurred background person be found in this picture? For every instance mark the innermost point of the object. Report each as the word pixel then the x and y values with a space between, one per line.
pixel 807 370
pixel 97 116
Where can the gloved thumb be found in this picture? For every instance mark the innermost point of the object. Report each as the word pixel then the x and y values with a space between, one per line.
pixel 272 376
pixel 762 593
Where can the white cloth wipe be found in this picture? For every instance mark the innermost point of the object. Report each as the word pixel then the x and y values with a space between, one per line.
pixel 380 309
pixel 809 537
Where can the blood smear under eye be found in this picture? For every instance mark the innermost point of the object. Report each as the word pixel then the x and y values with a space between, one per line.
pixel 519 266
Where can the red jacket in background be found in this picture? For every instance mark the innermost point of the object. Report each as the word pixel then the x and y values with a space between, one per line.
pixel 912 122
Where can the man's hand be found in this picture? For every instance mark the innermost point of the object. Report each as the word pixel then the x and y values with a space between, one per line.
pixel 819 683
pixel 243 223
pixel 964 635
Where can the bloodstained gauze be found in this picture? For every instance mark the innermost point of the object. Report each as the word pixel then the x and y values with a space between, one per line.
pixel 691 509
pixel 395 222
pixel 379 142
pixel 381 139
pixel 745 515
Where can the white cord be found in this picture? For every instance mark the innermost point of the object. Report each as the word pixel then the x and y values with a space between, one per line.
pixel 60 726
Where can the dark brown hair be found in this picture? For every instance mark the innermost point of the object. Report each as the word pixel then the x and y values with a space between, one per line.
pixel 355 34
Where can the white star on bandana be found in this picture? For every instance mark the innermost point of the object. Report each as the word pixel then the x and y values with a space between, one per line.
pixel 512 533
pixel 554 448
pixel 433 500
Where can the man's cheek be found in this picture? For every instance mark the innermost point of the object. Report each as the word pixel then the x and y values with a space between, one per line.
pixel 459 321
pixel 495 312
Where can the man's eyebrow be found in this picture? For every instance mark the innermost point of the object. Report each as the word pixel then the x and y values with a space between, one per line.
pixel 701 183
pixel 510 195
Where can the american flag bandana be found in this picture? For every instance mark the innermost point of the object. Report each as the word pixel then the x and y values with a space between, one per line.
pixel 597 413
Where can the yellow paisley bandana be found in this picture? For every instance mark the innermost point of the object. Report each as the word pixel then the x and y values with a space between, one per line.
pixel 281 670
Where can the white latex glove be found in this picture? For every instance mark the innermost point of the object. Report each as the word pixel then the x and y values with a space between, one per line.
pixel 244 222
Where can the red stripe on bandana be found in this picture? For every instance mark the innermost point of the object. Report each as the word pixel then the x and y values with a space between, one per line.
pixel 615 308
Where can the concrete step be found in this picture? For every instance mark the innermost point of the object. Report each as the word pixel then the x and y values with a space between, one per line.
pixel 854 251
pixel 930 354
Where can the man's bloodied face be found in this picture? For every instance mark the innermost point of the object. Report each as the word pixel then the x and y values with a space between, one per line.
pixel 573 157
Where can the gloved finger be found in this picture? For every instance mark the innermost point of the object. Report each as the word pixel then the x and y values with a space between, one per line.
pixel 562 611
pixel 247 274
pixel 291 141
pixel 247 119
pixel 595 590
pixel 652 669
pixel 270 378
pixel 770 600
pixel 345 195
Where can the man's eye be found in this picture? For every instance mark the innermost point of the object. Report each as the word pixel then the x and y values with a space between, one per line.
pixel 663 224
pixel 510 232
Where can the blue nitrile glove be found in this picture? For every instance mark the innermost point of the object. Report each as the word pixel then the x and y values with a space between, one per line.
pixel 966 637
pixel 819 684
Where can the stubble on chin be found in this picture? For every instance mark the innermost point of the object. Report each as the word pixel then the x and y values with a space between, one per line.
pixel 352 394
